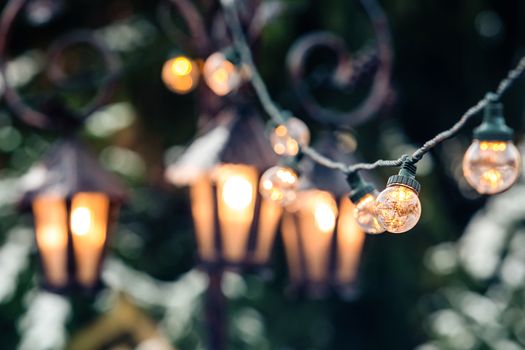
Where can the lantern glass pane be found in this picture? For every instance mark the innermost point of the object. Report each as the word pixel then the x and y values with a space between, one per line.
pixel 236 195
pixel 350 239
pixel 317 217
pixel 268 220
pixel 292 248
pixel 88 224
pixel 51 237
pixel 202 208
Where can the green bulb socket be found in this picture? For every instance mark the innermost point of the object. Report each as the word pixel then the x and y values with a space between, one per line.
pixel 292 163
pixel 406 177
pixel 493 127
pixel 359 187
pixel 232 55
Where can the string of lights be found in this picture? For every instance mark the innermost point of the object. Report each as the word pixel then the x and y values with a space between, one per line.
pixel 491 164
pixel 280 116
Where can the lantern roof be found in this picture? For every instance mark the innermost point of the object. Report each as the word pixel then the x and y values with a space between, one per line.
pixel 67 169
pixel 236 136
pixel 314 175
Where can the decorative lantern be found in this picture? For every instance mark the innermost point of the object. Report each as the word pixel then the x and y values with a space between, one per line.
pixel 74 203
pixel 234 226
pixel 322 240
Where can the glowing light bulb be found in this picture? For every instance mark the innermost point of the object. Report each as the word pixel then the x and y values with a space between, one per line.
pixel 279 184
pixel 81 221
pixel 180 74
pixel 221 75
pixel 398 208
pixel 288 137
pixel 237 192
pixel 325 212
pixel 365 214
pixel 491 166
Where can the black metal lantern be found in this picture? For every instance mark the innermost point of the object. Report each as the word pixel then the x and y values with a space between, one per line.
pixel 74 203
pixel 73 200
pixel 234 226
pixel 322 240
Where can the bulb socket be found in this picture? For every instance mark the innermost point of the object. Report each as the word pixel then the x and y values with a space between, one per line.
pixel 359 187
pixel 232 55
pixel 493 127
pixel 406 177
pixel 292 163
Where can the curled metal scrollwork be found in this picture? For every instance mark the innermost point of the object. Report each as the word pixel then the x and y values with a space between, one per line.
pixel 379 59
pixel 44 117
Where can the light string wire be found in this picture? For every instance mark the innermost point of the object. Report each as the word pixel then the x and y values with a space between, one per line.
pixel 279 116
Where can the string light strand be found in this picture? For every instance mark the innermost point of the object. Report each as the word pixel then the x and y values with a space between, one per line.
pixel 278 115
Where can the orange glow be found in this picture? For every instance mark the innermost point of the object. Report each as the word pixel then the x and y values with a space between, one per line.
pixel 51 237
pixel 308 232
pixel 497 146
pixel 279 184
pixel 234 201
pixel 313 226
pixel 202 208
pixel 325 212
pixel 221 75
pixel 180 74
pixel 236 186
pixel 269 219
pixel 89 224
pixel 286 138
pixel 350 239
pixel 491 166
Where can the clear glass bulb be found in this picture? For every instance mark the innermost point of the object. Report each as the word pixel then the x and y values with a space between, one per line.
pixel 286 138
pixel 366 216
pixel 398 208
pixel 491 166
pixel 221 75
pixel 279 184
pixel 180 74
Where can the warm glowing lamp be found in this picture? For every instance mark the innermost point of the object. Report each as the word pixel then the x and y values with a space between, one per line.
pixel 323 242
pixel 221 74
pixel 398 208
pixel 234 225
pixel 74 203
pixel 492 163
pixel 180 74
pixel 364 195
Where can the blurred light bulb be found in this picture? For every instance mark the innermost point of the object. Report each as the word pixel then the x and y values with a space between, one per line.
pixel 288 137
pixel 279 184
pixel 80 221
pixel 237 192
pixel 398 208
pixel 491 166
pixel 365 214
pixel 221 75
pixel 180 74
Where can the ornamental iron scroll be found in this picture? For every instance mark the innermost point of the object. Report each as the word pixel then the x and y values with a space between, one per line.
pixel 349 73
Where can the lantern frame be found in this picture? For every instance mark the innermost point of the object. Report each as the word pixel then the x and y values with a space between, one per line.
pixel 70 169
pixel 243 143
